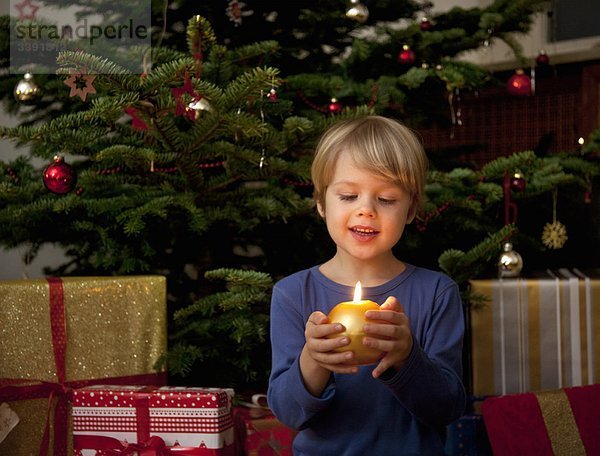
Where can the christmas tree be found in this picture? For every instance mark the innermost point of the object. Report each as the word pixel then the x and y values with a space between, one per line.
pixel 198 168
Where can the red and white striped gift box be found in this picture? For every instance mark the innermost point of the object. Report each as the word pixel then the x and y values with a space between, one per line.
pixel 114 417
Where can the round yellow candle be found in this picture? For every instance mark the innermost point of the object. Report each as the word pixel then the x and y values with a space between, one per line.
pixel 351 314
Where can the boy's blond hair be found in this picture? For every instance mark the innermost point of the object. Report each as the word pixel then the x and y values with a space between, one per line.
pixel 377 144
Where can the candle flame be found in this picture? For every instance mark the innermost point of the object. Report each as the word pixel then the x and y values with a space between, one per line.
pixel 357 292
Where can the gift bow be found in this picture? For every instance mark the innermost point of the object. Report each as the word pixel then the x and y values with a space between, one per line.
pixel 154 446
pixel 12 389
pixel 258 406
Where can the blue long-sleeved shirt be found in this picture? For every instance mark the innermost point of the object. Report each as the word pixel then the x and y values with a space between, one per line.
pixel 400 414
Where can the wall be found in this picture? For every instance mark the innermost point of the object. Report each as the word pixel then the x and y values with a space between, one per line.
pixel 564 109
pixel 12 265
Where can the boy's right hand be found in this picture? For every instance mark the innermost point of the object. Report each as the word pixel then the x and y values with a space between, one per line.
pixel 320 348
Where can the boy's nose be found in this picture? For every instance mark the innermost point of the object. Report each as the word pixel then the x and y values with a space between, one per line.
pixel 366 210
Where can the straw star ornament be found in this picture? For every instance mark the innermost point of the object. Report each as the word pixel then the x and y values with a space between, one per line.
pixel 81 83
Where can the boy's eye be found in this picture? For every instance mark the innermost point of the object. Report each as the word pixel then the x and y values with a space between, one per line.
pixel 386 201
pixel 347 197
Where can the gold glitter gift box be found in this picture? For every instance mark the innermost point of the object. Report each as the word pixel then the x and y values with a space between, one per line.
pixel 59 334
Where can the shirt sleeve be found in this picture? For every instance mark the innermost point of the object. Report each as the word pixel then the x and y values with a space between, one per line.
pixel 288 398
pixel 430 384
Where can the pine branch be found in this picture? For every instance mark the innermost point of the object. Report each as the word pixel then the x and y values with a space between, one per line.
pixel 253 83
pixel 117 77
pixel 496 168
pixel 237 279
pixel 462 266
pixel 200 36
pixel 166 74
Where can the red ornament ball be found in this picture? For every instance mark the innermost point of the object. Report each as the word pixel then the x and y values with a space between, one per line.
pixel 518 182
pixel 425 24
pixel 272 95
pixel 406 55
pixel 59 177
pixel 519 84
pixel 542 59
pixel 335 106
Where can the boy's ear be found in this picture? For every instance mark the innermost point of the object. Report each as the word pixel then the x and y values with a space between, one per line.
pixel 320 210
pixel 412 212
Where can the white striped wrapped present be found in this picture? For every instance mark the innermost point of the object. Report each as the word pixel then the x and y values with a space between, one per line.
pixel 536 334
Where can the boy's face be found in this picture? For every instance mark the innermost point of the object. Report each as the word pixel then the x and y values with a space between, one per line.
pixel 365 214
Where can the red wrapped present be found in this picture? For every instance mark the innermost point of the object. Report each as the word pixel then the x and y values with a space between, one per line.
pixel 564 421
pixel 162 420
pixel 259 433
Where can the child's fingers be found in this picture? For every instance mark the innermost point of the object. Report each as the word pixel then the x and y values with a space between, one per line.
pixel 322 331
pixel 326 345
pixel 317 318
pixel 339 362
pixel 391 303
pixel 318 326
pixel 395 339
pixel 341 368
pixel 324 349
pixel 397 351
pixel 388 325
pixel 341 359
pixel 381 368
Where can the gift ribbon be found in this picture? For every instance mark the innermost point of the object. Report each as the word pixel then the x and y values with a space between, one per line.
pixel 560 423
pixel 59 326
pixel 142 416
pixel 258 406
pixel 153 446
pixel 21 389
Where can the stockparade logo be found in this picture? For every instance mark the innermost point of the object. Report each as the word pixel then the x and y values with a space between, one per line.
pixel 39 32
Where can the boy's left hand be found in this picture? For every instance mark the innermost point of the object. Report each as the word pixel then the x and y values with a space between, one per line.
pixel 396 332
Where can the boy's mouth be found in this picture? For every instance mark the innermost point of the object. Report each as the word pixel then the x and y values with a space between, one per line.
pixel 363 231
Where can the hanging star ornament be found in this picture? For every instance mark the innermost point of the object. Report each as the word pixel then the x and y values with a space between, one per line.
pixel 235 12
pixel 81 83
pixel 554 235
pixel 136 121
pixel 26 10
pixel 181 105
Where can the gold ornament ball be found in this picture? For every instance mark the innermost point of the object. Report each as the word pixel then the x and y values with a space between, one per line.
pixel 510 263
pixel 357 11
pixel 352 316
pixel 26 90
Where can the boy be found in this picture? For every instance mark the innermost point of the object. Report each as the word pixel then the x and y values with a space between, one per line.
pixel 369 177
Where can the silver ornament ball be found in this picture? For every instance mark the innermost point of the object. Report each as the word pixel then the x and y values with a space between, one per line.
pixel 199 106
pixel 357 11
pixel 510 263
pixel 26 90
